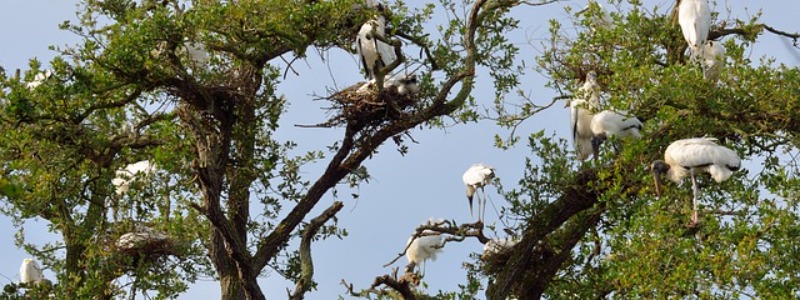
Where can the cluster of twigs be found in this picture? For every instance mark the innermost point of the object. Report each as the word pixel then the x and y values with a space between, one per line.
pixel 141 243
pixel 368 106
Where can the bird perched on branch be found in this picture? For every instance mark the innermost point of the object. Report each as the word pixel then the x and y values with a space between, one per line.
pixel 406 84
pixel 30 272
pixel 423 248
pixel 131 173
pixel 496 245
pixel 610 123
pixel 478 176
pixel 38 79
pixel 694 16
pixel 690 156
pixel 582 110
pixel 713 55
pixel 403 84
pixel 375 54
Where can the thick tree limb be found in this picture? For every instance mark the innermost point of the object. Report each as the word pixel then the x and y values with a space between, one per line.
pixel 306 264
pixel 575 199
pixel 342 163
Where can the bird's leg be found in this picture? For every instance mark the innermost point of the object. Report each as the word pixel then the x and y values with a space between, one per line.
pixel 695 193
pixel 596 141
pixel 478 208
pixel 483 209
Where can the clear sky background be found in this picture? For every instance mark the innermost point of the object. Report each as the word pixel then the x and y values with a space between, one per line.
pixel 405 191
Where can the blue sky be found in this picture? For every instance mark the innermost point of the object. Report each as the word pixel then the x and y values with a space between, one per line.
pixel 405 190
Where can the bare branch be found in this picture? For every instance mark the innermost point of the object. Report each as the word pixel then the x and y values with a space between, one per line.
pixel 306 264
pixel 457 233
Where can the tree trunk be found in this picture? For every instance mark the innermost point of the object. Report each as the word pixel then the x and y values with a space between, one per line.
pixel 229 282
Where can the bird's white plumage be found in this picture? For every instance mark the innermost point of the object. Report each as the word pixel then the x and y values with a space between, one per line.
pixel 406 84
pixel 38 79
pixel 496 245
pixel 694 16
pixel 477 176
pixel 130 173
pixel 141 236
pixel 197 53
pixel 713 55
pixel 30 271
pixel 424 248
pixel 615 123
pixel 580 123
pixel 702 154
pixel 690 156
pixel 581 112
pixel 374 53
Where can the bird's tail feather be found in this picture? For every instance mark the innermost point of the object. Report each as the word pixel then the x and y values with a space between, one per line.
pixel 719 173
pixel 583 148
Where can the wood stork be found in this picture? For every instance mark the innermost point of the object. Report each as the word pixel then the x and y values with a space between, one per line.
pixel 424 248
pixel 610 123
pixel 375 54
pixel 130 173
pixel 478 176
pixel 496 245
pixel 403 84
pixel 140 237
pixel 713 55
pixel 198 55
pixel 581 113
pixel 406 84
pixel 38 79
pixel 694 16
pixel 30 272
pixel 689 156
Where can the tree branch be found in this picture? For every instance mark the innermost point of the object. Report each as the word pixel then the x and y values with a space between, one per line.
pixel 306 264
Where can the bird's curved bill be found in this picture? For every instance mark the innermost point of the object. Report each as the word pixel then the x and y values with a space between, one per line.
pixel 657 182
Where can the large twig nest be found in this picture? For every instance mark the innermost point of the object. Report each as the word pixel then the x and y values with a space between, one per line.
pixel 364 103
pixel 145 241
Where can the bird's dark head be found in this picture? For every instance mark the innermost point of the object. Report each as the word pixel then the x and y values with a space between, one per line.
pixel 591 76
pixel 409 79
pixel 659 167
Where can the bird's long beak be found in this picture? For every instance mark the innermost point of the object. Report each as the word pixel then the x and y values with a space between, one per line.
pixel 657 181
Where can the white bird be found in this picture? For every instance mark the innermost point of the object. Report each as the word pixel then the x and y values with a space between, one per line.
pixel 38 79
pixel 140 237
pixel 496 245
pixel 424 248
pixel 713 55
pixel 610 123
pixel 478 176
pixel 406 84
pixel 198 55
pixel 30 272
pixel 689 156
pixel 132 172
pixel 581 113
pixel 694 16
pixel 375 54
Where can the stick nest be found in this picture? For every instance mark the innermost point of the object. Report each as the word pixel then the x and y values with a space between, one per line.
pixel 369 107
pixel 145 242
